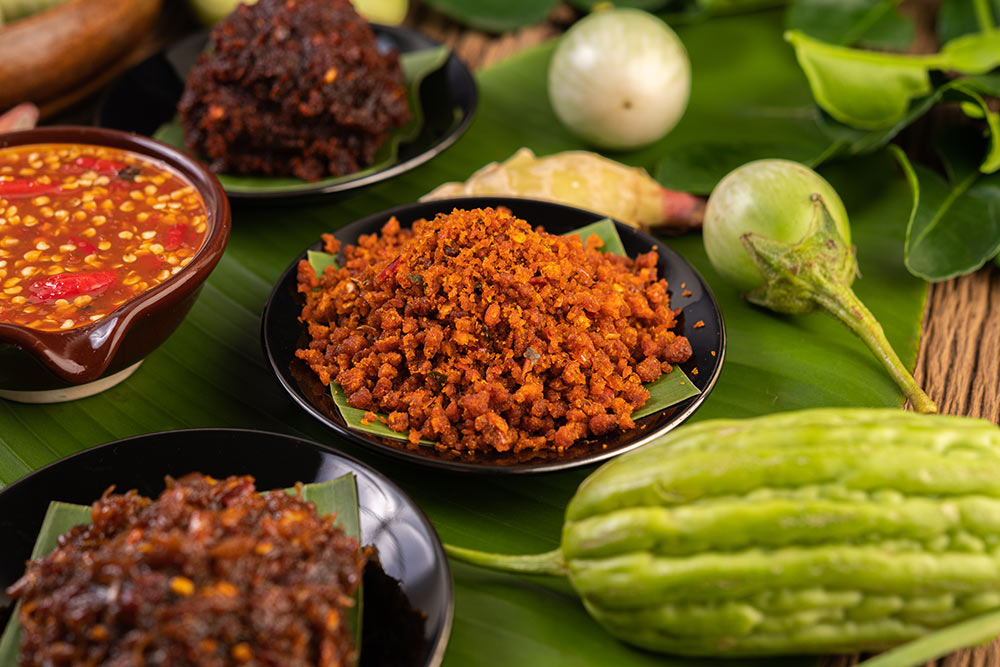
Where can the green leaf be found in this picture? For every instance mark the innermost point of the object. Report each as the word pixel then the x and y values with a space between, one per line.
pixel 954 225
pixel 863 89
pixel 647 5
pixel 495 15
pixel 873 23
pixel 604 230
pixel 680 12
pixel 697 168
pixel 321 260
pixel 669 389
pixel 871 90
pixel 968 90
pixel 960 17
pixel 969 93
pixel 337 496
pixel 416 65
pixel 977 53
pixel 211 371
pixel 977 631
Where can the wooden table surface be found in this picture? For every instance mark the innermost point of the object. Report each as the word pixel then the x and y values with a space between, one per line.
pixel 959 360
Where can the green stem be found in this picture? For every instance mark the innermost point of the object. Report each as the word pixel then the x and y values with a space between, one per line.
pixel 984 15
pixel 818 270
pixel 972 632
pixel 841 302
pixel 550 562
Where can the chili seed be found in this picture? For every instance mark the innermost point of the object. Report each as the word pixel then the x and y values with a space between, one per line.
pixel 182 586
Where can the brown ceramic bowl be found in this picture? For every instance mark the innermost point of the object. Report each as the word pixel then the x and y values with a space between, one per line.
pixel 50 366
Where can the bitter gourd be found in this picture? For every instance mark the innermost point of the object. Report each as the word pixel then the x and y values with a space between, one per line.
pixel 820 531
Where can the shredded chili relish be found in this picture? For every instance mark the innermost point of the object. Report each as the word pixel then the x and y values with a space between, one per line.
pixel 479 333
pixel 210 573
pixel 84 228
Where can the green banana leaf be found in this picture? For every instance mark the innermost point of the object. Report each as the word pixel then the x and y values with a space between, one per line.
pixel 338 496
pixel 667 390
pixel 212 372
pixel 416 66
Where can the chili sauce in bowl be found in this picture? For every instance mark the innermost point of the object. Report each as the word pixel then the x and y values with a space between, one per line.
pixel 105 241
pixel 84 229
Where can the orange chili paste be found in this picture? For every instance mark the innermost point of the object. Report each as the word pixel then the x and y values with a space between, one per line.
pixel 83 229
pixel 480 333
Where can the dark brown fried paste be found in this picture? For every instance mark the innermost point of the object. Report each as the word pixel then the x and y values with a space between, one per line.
pixel 292 87
pixel 478 332
pixel 211 573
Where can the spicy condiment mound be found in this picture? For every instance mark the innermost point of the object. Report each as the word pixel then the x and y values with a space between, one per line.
pixel 293 87
pixel 210 573
pixel 479 333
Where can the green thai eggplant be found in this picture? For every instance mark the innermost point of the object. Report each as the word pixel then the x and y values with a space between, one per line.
pixel 821 531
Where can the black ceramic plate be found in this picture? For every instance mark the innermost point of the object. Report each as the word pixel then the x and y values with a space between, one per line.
pixel 146 96
pixel 282 334
pixel 397 630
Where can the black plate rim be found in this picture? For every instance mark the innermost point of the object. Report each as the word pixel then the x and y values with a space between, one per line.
pixel 440 641
pixel 453 66
pixel 693 403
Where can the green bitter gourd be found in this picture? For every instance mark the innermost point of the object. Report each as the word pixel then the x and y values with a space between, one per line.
pixel 820 531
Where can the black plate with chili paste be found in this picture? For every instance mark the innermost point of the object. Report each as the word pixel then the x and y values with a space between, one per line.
pixel 144 100
pixel 701 322
pixel 407 590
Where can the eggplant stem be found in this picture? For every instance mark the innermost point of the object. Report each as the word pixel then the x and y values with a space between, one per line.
pixel 817 271
pixel 551 562
pixel 841 302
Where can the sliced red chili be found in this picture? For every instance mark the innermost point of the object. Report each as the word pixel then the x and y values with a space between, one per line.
pixel 69 285
pixel 148 264
pixel 390 269
pixel 25 187
pixel 175 236
pixel 98 164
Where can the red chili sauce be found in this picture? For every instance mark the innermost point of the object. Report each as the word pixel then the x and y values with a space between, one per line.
pixel 83 229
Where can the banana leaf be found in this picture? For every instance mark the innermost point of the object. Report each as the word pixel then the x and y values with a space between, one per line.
pixel 212 372
pixel 416 66
pixel 338 496
pixel 668 389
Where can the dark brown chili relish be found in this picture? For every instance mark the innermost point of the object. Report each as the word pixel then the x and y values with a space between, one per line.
pixel 292 87
pixel 210 573
pixel 84 228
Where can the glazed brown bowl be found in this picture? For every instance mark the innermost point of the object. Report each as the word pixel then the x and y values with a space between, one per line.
pixel 48 366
